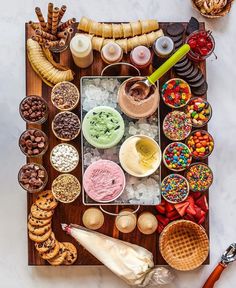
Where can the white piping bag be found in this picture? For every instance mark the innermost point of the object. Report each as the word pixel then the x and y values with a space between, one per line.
pixel 132 263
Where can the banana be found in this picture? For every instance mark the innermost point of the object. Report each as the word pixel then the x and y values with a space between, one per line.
pixel 48 70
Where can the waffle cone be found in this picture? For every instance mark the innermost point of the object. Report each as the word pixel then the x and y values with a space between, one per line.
pixel 222 13
pixel 184 245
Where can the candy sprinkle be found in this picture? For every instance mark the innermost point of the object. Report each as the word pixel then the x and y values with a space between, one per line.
pixel 199 176
pixel 177 126
pixel 174 188
pixel 176 93
pixel 177 156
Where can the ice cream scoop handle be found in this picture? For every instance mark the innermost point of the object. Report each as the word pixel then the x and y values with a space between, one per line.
pixel 168 64
pixel 215 275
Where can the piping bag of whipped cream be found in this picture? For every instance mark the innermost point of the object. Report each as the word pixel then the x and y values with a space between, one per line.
pixel 132 263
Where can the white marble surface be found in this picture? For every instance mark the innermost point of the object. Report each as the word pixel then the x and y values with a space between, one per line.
pixel 14 271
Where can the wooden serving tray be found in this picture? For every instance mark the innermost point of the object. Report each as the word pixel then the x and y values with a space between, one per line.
pixel 72 213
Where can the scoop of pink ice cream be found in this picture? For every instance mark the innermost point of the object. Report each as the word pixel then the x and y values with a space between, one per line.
pixel 104 181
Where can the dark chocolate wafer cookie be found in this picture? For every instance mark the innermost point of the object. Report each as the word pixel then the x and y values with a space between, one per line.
pixel 201 90
pixel 196 78
pixel 193 74
pixel 184 68
pixel 184 74
pixel 198 83
pixel 175 29
pixel 182 63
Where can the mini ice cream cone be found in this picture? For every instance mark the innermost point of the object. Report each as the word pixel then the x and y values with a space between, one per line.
pixel 98 30
pixel 136 28
pixel 106 30
pixel 147 223
pixel 107 41
pixel 143 40
pixel 117 31
pixel 41 18
pixel 55 15
pixel 93 218
pixel 133 42
pixel 153 25
pixel 93 27
pixel 126 221
pixel 84 24
pixel 66 24
pixel 127 30
pixel 123 44
pixel 149 25
pixel 151 37
pixel 97 43
pixel 50 12
pixel 62 11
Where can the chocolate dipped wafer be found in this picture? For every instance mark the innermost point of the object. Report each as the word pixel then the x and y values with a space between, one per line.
pixel 63 34
pixel 66 24
pixel 50 12
pixel 61 12
pixel 34 25
pixel 45 35
pixel 41 18
pixel 55 16
pixel 39 39
pixel 50 44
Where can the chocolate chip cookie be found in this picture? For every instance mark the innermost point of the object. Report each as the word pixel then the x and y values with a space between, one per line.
pixel 52 252
pixel 60 257
pixel 40 238
pixel 45 246
pixel 71 253
pixel 40 213
pixel 38 222
pixel 39 230
pixel 46 200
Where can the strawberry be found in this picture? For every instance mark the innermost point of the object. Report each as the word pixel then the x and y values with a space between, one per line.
pixel 190 200
pixel 189 217
pixel 196 195
pixel 163 202
pixel 201 220
pixel 198 212
pixel 203 213
pixel 163 220
pixel 181 208
pixel 191 210
pixel 160 227
pixel 169 207
pixel 202 203
pixel 173 215
pixel 161 209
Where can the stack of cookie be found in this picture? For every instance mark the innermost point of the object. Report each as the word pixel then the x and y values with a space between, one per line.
pixel 40 231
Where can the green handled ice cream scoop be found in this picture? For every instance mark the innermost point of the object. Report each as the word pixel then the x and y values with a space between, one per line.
pixel 144 85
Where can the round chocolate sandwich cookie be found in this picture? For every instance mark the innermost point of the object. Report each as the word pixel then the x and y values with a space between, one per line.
pixel 175 29
pixel 50 243
pixel 193 74
pixel 38 222
pixel 201 90
pixel 184 68
pixel 46 200
pixel 178 44
pixel 71 253
pixel 60 257
pixel 40 238
pixel 40 213
pixel 177 38
pixel 52 252
pixel 198 83
pixel 39 230
pixel 183 62
pixel 184 74
pixel 196 78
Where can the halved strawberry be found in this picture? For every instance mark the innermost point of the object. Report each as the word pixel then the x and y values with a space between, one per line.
pixel 198 212
pixel 163 220
pixel 202 220
pixel 189 217
pixel 191 210
pixel 160 228
pixel 181 208
pixel 161 209
pixel 190 200
pixel 202 203
pixel 163 202
pixel 203 213
pixel 173 215
pixel 196 195
pixel 169 207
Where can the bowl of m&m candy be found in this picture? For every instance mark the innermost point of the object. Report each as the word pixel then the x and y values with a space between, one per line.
pixel 199 111
pixel 174 188
pixel 200 143
pixel 202 45
pixel 199 176
pixel 177 156
pixel 176 93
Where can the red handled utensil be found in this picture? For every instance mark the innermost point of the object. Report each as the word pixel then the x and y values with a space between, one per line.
pixel 228 257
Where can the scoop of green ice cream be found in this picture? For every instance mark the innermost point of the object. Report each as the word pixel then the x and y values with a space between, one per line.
pixel 103 127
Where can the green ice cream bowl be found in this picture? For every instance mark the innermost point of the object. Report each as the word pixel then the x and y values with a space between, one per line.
pixel 103 127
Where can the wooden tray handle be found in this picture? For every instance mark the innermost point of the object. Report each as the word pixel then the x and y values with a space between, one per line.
pixel 215 275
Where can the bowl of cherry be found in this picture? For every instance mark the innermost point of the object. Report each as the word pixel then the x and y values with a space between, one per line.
pixel 202 45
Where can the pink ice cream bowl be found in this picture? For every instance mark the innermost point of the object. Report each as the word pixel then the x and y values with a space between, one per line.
pixel 104 181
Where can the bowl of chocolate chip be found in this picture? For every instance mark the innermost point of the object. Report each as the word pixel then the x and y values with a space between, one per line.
pixel 34 109
pixel 33 177
pixel 33 142
pixel 66 126
pixel 65 96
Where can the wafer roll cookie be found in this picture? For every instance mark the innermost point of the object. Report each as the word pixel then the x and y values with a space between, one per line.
pixel 49 44
pixel 106 30
pixel 107 40
pixel 50 11
pixel 41 18
pixel 62 11
pixel 97 43
pixel 45 35
pixel 127 30
pixel 66 24
pixel 62 42
pixel 117 30
pixel 136 28
pixel 34 25
pixel 55 15
pixel 153 25
pixel 62 34
pixel 148 26
pixel 123 43
pixel 39 39
pixel 84 24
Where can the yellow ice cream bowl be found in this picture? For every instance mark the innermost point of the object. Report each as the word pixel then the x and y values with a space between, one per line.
pixel 140 155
